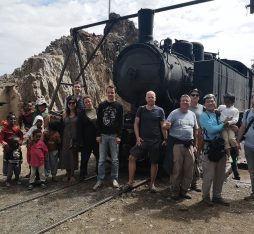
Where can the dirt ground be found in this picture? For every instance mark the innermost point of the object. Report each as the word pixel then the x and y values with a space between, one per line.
pixel 135 212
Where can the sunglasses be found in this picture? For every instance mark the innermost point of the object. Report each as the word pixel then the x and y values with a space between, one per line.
pixel 195 95
pixel 71 103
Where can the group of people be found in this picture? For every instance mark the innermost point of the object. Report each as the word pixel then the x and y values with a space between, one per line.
pixel 187 133
pixel 54 143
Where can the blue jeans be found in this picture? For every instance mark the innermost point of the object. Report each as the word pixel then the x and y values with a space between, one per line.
pixel 108 142
pixel 249 154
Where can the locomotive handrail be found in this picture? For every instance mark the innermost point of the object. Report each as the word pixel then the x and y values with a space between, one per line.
pixel 180 5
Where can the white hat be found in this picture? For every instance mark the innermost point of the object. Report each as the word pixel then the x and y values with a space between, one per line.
pixel 41 101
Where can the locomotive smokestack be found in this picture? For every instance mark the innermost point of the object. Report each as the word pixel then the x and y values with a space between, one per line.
pixel 145 25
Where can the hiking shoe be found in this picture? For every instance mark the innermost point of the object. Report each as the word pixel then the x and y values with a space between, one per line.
pixel 153 189
pixel 236 178
pixel 97 185
pixel 195 188
pixel 115 184
pixel 220 201
pixel 207 201
pixel 185 196
pixel 30 187
pixel 7 184
pixel 250 198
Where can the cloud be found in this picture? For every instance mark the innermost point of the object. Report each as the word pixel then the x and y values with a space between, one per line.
pixel 28 26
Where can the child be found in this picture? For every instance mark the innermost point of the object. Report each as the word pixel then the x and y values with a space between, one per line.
pixel 14 158
pixel 9 129
pixel 230 114
pixel 37 124
pixel 52 139
pixel 36 154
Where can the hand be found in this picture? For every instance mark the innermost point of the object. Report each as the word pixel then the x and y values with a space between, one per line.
pixel 98 140
pixel 118 140
pixel 139 141
pixel 167 125
pixel 234 128
pixel 164 143
pixel 226 124
pixel 195 149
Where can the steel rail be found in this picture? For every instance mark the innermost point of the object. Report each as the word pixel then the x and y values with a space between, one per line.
pixel 45 194
pixel 91 207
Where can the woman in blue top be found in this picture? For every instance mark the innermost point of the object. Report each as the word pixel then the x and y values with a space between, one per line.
pixel 213 172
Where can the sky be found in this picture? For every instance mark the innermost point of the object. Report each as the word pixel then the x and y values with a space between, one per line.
pixel 28 26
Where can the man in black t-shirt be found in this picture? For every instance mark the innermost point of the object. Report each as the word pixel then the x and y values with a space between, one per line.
pixel 109 126
pixel 149 135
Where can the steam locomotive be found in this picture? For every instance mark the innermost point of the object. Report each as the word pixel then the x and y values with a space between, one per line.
pixel 172 69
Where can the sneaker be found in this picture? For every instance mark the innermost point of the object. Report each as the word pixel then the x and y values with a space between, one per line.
pixel 185 196
pixel 30 187
pixel 207 201
pixel 115 184
pixel 220 201
pixel 250 198
pixel 152 189
pixel 7 184
pixel 43 185
pixel 195 188
pixel 97 185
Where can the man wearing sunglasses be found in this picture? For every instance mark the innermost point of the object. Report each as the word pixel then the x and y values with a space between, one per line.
pixel 198 110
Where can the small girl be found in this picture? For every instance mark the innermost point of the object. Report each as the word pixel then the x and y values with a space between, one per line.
pixel 38 123
pixel 52 139
pixel 36 154
pixel 14 158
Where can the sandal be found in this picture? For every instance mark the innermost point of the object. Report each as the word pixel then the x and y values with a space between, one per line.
pixel 127 188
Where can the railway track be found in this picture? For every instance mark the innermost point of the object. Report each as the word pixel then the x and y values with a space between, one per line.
pixel 46 211
pixel 90 207
pixel 44 194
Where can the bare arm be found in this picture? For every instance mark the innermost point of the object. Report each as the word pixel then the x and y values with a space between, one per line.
pixel 241 132
pixel 164 131
pixel 136 130
pixel 196 137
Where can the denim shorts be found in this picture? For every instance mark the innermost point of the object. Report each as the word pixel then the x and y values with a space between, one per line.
pixel 149 147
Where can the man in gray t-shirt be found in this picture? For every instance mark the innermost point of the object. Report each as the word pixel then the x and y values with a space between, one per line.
pixel 249 143
pixel 149 133
pixel 182 125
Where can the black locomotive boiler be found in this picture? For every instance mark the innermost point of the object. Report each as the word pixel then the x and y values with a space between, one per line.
pixel 172 69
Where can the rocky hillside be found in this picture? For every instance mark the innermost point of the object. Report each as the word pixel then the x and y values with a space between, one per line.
pixel 39 74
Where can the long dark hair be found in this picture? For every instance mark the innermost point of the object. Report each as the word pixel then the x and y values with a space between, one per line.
pixel 71 98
